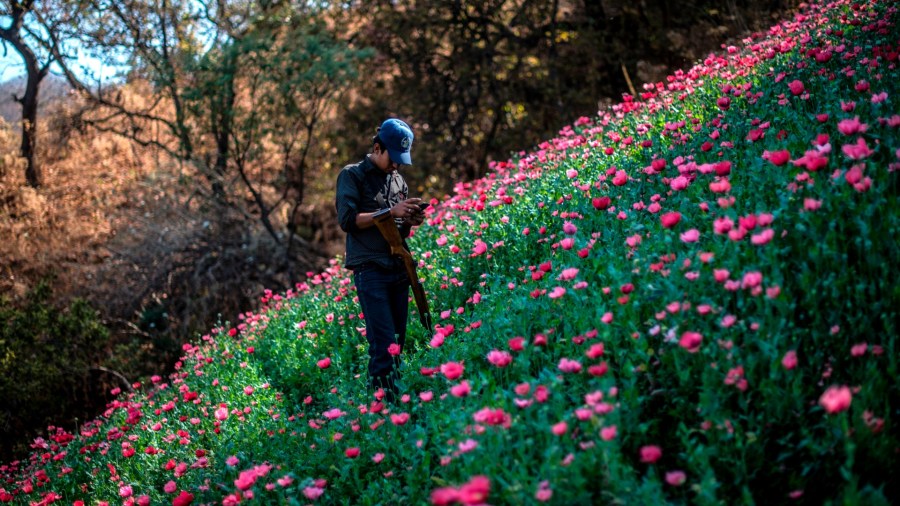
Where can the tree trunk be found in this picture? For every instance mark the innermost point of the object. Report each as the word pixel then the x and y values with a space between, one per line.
pixel 29 101
pixel 29 126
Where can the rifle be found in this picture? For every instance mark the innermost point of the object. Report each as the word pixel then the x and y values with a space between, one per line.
pixel 388 228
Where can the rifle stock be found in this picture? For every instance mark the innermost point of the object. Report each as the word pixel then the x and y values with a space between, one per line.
pixel 388 228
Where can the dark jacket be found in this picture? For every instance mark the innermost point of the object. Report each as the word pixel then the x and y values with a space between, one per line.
pixel 364 188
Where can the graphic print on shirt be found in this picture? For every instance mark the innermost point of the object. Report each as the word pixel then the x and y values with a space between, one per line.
pixel 392 189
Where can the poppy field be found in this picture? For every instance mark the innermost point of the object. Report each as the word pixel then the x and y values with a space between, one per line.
pixel 689 298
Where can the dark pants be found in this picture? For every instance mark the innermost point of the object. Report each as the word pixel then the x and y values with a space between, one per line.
pixel 384 299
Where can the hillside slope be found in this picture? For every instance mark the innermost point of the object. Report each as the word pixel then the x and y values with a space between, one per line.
pixel 687 299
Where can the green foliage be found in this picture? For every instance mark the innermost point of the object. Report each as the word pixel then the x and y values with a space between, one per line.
pixel 46 355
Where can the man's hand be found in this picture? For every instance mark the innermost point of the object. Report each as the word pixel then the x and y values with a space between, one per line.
pixel 408 210
pixel 416 219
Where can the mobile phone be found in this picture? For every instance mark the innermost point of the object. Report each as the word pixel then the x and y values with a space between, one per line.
pixel 423 205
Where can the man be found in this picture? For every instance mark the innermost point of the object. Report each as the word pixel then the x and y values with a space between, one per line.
pixel 382 284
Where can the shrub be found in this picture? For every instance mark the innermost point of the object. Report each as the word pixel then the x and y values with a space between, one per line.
pixel 46 356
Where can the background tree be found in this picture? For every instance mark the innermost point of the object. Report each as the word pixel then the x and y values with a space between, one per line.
pixel 25 25
pixel 239 91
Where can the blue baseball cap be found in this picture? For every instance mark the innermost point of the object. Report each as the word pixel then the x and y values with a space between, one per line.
pixel 397 138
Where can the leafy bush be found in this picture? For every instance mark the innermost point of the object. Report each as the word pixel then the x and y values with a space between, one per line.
pixel 687 299
pixel 46 356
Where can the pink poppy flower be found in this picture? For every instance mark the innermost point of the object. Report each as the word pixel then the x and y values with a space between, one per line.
pixel 557 292
pixel 777 158
pixel 811 204
pixel 313 493
pixel 595 351
pixel 333 414
pixel 476 491
pixel 598 370
pixel 444 496
pixel 751 279
pixel 796 86
pixel 692 235
pixel 675 478
pixel 184 498
pixel 763 237
pixel 325 363
pixel 836 399
pixel 492 417
pixel 568 274
pixel 569 228
pixel 728 320
pixel 670 219
pixel 679 183
pixel 855 174
pixel 516 343
pixel 691 341
pixel 569 366
pixel 601 203
pixel 246 479
pixel 852 126
pixel 452 370
pixel 721 185
pixel 560 428
pixel 812 160
pixel 394 349
pixel 461 389
pixel 650 454
pixel 737 234
pixel 722 225
pixel 543 494
pixel 857 151
pixel 399 418
pixel 352 452
pixel 479 248
pixel 499 358
pixel 747 222
pixel 221 412
pixel 608 433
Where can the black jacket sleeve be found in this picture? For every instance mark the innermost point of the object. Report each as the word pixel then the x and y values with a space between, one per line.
pixel 347 200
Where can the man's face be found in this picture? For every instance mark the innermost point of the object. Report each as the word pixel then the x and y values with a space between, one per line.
pixel 383 161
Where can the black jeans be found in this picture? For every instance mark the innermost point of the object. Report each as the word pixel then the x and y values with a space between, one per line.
pixel 384 299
